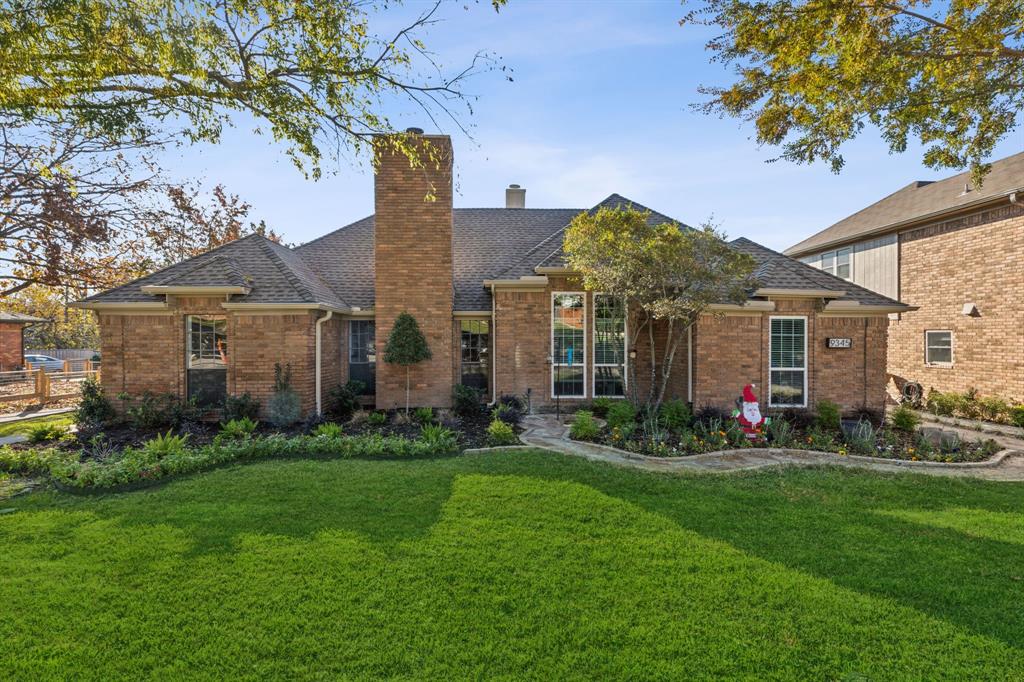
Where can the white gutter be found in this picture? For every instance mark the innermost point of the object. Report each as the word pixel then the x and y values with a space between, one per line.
pixel 494 347
pixel 319 324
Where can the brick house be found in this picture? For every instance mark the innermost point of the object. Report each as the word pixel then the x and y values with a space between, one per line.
pixel 12 339
pixel 491 291
pixel 953 252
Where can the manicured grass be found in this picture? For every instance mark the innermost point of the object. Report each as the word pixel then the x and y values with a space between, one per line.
pixel 516 565
pixel 24 426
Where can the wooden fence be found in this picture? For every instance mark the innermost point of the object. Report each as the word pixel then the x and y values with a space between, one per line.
pixel 38 385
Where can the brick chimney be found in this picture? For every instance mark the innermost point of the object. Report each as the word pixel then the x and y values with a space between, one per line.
pixel 413 264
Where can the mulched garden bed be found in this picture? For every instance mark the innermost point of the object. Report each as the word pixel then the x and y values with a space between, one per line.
pixel 711 436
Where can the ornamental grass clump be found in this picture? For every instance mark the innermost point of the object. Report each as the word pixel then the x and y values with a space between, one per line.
pixel 284 407
pixel 47 431
pixel 328 430
pixel 583 426
pixel 441 440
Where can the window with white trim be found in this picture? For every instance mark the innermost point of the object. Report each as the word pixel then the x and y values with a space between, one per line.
pixel 838 262
pixel 609 346
pixel 938 347
pixel 788 362
pixel 568 344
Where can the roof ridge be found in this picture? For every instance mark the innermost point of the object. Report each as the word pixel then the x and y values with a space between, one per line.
pixel 335 231
pixel 288 273
pixel 533 249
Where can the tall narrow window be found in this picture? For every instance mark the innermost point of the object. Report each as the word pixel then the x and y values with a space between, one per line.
pixel 568 341
pixel 475 337
pixel 206 360
pixel 609 346
pixel 843 263
pixel 362 354
pixel 788 362
pixel 938 348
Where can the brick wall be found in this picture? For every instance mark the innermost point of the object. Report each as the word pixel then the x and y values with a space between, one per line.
pixel 731 351
pixel 413 271
pixel 973 259
pixel 11 351
pixel 147 352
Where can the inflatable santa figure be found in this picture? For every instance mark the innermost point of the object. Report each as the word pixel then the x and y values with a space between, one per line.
pixel 749 416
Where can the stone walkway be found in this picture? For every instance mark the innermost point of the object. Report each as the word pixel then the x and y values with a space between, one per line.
pixel 545 432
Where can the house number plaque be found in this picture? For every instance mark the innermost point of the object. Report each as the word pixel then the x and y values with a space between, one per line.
pixel 839 343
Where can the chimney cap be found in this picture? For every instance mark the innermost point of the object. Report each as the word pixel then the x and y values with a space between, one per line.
pixel 414 131
pixel 513 186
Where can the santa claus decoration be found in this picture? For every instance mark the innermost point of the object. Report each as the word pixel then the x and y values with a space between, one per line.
pixel 749 414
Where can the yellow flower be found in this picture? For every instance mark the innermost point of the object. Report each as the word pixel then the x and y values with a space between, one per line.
pixel 721 433
pixel 914 458
pixel 910 449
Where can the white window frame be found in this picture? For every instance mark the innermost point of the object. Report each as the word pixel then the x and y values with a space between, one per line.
pixel 199 363
pixel 952 347
pixel 805 369
pixel 834 270
pixel 593 353
pixel 554 363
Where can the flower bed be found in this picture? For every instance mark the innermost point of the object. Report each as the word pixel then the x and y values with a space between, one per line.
pixel 680 435
pixel 971 405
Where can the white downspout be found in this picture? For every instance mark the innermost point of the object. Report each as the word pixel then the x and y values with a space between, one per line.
pixel 319 324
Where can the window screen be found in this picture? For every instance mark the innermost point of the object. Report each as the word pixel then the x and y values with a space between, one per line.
pixel 938 347
pixel 788 358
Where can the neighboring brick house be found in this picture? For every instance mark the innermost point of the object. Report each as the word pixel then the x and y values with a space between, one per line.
pixel 496 302
pixel 956 253
pixel 12 339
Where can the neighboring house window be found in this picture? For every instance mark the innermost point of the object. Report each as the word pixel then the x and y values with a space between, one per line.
pixel 609 346
pixel 838 263
pixel 938 347
pixel 362 354
pixel 568 341
pixel 475 337
pixel 207 342
pixel 788 362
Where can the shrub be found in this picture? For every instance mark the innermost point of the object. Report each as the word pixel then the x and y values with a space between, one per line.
pixel 466 400
pixel 993 409
pixel 328 430
pixel 406 346
pixel 40 433
pixel 826 415
pixel 1017 416
pixel 145 413
pixel 510 414
pixel 500 433
pixel 284 407
pixel 161 446
pixel 600 407
pixel 440 439
pixel 343 400
pixel 241 407
pixel 449 420
pixel 621 413
pixel 818 439
pixel 33 461
pixel 675 415
pixel 583 426
pixel 512 401
pixel 235 430
pixel 903 418
pixel 181 413
pixel 95 409
pixel 941 404
pixel 423 415
pixel 948 444
pixel 709 411
pixel 378 418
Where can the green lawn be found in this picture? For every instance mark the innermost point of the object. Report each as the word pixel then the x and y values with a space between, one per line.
pixel 516 565
pixel 22 427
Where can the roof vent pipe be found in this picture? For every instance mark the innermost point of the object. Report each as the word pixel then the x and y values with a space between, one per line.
pixel 515 197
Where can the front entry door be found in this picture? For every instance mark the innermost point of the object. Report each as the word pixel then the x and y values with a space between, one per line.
pixel 206 377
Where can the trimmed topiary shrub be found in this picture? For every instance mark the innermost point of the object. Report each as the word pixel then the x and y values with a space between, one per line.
pixel 284 407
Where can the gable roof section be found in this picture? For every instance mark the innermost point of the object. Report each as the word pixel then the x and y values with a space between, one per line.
pixel 273 273
pixel 20 317
pixel 918 200
pixel 778 271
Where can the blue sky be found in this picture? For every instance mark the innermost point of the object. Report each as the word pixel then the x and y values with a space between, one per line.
pixel 599 104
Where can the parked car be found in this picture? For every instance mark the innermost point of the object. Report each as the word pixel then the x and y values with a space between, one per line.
pixel 44 361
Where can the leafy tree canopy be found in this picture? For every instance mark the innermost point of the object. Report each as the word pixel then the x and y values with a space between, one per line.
pixel 312 72
pixel 664 272
pixel 406 344
pixel 811 74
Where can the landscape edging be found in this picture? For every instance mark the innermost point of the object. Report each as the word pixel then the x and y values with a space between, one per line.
pixel 990 428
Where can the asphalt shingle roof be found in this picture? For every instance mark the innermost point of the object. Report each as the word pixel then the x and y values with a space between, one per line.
pixel 916 200
pixel 778 271
pixel 337 269
pixel 19 317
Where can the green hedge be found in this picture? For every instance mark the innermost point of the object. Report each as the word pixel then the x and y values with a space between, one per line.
pixel 137 466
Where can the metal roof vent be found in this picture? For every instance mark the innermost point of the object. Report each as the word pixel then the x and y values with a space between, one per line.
pixel 414 131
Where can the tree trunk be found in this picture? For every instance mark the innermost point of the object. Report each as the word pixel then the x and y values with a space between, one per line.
pixel 407 390
pixel 654 361
pixel 672 344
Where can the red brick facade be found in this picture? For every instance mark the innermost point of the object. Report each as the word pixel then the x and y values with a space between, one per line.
pixel 11 350
pixel 413 270
pixel 972 259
